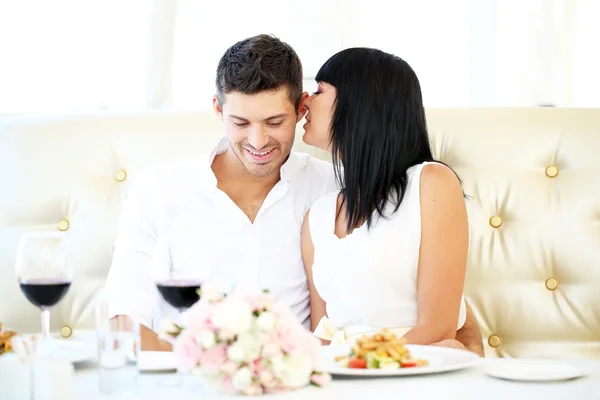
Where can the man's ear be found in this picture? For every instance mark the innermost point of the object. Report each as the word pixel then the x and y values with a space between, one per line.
pixel 301 110
pixel 217 107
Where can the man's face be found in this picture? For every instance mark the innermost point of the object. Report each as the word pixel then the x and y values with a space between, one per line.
pixel 260 128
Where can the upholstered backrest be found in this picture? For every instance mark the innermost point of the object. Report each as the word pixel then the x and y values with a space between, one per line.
pixel 530 174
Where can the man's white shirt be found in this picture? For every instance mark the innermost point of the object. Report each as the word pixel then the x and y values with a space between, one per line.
pixel 176 219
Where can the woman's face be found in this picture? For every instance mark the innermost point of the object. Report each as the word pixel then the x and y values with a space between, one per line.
pixel 320 107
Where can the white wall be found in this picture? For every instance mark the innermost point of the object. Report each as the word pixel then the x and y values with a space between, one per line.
pixel 71 55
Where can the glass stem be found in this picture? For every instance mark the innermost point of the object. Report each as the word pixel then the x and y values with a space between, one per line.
pixel 45 323
pixel 183 320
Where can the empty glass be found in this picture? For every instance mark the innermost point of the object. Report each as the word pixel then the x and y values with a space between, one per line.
pixel 118 350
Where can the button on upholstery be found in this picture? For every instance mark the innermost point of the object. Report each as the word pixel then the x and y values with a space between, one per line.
pixel 120 175
pixel 494 340
pixel 66 331
pixel 551 171
pixel 63 225
pixel 551 283
pixel 496 221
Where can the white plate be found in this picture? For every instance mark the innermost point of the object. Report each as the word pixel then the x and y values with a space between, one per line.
pixel 441 359
pixel 154 361
pixel 532 370
pixel 70 350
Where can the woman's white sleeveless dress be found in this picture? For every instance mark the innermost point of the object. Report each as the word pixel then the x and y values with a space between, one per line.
pixel 369 278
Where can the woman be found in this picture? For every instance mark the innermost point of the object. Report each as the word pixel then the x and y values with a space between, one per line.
pixel 389 250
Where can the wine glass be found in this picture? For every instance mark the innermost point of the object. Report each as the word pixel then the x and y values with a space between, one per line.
pixel 180 291
pixel 44 271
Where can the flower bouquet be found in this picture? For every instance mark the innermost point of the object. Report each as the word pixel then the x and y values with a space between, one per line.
pixel 246 344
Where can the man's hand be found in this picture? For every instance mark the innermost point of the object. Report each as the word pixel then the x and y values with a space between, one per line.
pixel 151 341
pixel 149 338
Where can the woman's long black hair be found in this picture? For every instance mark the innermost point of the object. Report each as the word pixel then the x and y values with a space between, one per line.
pixel 378 129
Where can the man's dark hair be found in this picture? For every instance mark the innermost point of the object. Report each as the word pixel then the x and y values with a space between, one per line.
pixel 260 63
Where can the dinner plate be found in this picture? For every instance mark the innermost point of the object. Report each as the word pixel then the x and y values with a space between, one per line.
pixel 532 370
pixel 440 359
pixel 69 350
pixel 156 361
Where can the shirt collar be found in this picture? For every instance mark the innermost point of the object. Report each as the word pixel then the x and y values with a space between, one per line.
pixel 293 165
pixel 289 169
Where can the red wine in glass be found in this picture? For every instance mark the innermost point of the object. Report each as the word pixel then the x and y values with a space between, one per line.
pixel 45 293
pixel 179 294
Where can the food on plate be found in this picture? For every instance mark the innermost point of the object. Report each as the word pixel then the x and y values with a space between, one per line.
pixel 5 337
pixel 383 350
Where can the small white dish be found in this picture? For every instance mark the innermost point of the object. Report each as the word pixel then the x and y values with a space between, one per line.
pixel 157 361
pixel 532 370
pixel 69 350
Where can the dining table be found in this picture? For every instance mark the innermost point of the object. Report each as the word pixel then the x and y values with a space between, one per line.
pixel 471 383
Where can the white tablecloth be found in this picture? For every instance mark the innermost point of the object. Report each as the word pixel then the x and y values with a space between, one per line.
pixel 466 384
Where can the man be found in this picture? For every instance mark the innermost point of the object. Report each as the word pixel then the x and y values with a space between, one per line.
pixel 233 217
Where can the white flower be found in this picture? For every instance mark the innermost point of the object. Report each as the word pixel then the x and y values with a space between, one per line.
pixel 267 379
pixel 253 390
pixel 206 339
pixel 271 350
pixel 211 293
pixel 241 379
pixel 320 379
pixel 233 315
pixel 229 367
pixel 294 370
pixel 236 353
pixel 266 321
pixel 245 348
pixel 167 329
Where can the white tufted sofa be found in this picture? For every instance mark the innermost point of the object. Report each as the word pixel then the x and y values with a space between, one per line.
pixel 532 176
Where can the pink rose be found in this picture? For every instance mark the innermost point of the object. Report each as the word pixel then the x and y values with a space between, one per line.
pixel 310 346
pixel 277 389
pixel 259 301
pixel 320 379
pixel 254 302
pixel 211 294
pixel 271 350
pixel 226 385
pixel 229 367
pixel 200 316
pixel 284 314
pixel 186 350
pixel 290 336
pixel 225 335
pixel 263 338
pixel 267 379
pixel 253 390
pixel 212 360
pixel 266 299
pixel 256 366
